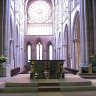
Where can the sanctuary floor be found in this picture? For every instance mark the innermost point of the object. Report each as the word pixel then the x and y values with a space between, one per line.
pixel 25 78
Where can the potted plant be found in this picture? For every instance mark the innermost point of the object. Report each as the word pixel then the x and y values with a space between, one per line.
pixel 93 61
pixel 3 59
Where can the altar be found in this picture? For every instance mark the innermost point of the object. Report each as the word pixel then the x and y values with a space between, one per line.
pixel 46 69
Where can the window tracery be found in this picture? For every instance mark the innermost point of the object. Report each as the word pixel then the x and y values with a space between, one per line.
pixel 39 12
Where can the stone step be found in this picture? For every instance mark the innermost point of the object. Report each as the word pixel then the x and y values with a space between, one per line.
pixel 88 75
pixel 87 83
pixel 66 89
pixel 78 88
pixel 84 83
pixel 2 84
pixel 21 84
pixel 48 84
pixel 18 89
pixel 47 89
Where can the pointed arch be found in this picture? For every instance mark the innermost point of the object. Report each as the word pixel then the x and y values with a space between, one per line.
pixel 28 43
pixel 76 40
pixel 29 51
pixel 65 46
pixel 66 34
pixel 11 45
pixel 39 49
pixel 49 49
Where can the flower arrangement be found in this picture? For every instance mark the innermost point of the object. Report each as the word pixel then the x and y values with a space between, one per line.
pixel 3 59
pixel 93 60
pixel 93 57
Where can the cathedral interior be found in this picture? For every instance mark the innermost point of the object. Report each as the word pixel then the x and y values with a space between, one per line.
pixel 55 34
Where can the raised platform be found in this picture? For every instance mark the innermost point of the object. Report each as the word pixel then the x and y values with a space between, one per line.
pixel 88 75
pixel 23 84
pixel 2 84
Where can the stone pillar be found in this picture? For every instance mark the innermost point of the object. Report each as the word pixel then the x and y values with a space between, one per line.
pixel 86 31
pixel 34 52
pixel 89 29
pixel 69 34
pixel 45 55
pixel 82 33
pixel 94 16
pixel 25 55
pixel 2 25
pixel 8 70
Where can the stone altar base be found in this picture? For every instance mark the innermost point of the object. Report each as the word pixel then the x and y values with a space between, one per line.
pixel 47 69
pixel 23 84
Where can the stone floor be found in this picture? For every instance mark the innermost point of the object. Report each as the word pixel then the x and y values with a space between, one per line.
pixel 21 78
pixel 25 78
pixel 87 93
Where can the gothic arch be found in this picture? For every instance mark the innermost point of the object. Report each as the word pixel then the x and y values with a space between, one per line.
pixel 49 44
pixel 38 40
pixel 66 34
pixel 65 46
pixel 47 49
pixel 11 45
pixel 39 52
pixel 76 41
pixel 28 43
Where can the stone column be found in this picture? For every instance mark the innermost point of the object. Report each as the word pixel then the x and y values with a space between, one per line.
pixel 45 55
pixel 82 33
pixel 69 34
pixel 25 55
pixel 86 31
pixel 89 29
pixel 3 4
pixel 6 30
pixel 34 52
pixel 94 16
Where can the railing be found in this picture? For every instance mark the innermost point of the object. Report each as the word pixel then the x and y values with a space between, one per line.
pixel 70 70
pixel 15 71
